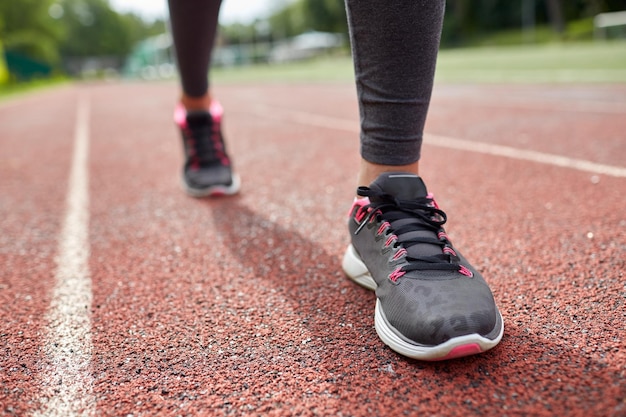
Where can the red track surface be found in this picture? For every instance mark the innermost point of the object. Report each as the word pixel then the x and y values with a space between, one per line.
pixel 237 306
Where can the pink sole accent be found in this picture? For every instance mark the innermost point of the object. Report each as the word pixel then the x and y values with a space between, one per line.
pixel 216 110
pixel 180 116
pixel 460 351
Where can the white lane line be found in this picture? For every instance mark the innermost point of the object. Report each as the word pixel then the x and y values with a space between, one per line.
pixel 330 122
pixel 525 155
pixel 67 384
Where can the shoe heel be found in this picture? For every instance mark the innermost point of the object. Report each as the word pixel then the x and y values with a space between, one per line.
pixel 356 270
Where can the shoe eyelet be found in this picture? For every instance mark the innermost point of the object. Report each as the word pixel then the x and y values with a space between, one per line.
pixel 392 239
pixel 399 254
pixel 383 227
pixel 396 274
pixel 465 271
pixel 361 212
pixel 449 251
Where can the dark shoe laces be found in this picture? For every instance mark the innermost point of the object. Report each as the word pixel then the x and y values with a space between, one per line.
pixel 205 145
pixel 418 215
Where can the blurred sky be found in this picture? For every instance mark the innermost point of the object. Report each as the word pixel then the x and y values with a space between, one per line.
pixel 244 11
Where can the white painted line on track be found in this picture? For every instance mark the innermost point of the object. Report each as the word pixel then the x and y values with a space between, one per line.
pixel 66 381
pixel 525 155
pixel 330 122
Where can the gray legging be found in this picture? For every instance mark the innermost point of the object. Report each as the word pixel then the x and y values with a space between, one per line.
pixel 394 47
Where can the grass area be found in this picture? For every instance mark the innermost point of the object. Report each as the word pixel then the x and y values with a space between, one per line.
pixel 577 62
pixel 584 62
pixel 10 90
pixel 552 63
pixel 575 31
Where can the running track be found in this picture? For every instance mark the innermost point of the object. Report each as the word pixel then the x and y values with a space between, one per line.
pixel 120 296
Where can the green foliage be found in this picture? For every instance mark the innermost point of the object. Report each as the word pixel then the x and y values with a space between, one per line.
pixel 26 28
pixel 237 33
pixel 580 29
pixel 48 31
pixel 289 21
pixel 467 22
pixel 325 15
pixel 93 26
pixel 94 29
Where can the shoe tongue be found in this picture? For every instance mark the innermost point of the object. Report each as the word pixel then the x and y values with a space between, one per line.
pixel 401 185
pixel 405 186
pixel 198 118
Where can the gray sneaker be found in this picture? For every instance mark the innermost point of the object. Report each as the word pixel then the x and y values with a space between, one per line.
pixel 431 303
pixel 208 169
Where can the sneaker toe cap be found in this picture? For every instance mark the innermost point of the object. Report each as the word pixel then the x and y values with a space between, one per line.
pixel 431 313
pixel 209 176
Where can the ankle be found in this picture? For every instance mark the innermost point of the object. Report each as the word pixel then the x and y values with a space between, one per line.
pixel 196 103
pixel 369 171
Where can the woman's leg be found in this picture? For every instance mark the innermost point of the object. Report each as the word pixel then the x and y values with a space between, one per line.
pixel 431 303
pixel 194 24
pixel 207 170
pixel 394 47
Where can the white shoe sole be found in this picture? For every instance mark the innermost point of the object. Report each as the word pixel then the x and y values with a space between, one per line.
pixel 214 191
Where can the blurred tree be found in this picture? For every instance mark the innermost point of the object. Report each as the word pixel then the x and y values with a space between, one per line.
pixel 236 34
pixel 325 15
pixel 292 19
pixel 138 29
pixel 50 31
pixel 288 21
pixel 466 20
pixel 470 19
pixel 555 13
pixel 27 27
pixel 94 29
